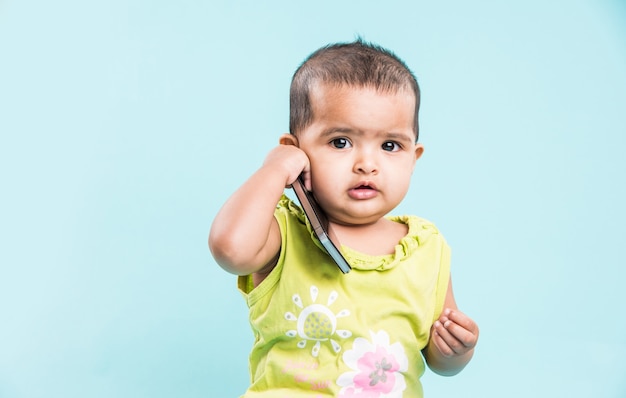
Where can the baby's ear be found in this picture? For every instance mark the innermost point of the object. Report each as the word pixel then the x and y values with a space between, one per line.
pixel 288 139
pixel 419 150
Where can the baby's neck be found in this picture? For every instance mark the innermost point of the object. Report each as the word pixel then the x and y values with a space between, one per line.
pixel 375 239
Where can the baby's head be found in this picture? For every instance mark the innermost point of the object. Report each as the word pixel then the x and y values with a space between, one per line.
pixel 357 64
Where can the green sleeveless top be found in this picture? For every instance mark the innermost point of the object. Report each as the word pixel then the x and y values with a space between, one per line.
pixel 320 333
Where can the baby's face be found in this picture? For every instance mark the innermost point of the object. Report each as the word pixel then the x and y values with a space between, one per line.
pixel 362 150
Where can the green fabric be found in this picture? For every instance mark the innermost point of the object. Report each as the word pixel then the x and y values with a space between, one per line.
pixel 320 333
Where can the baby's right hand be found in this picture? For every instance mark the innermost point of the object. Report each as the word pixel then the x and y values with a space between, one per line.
pixel 291 160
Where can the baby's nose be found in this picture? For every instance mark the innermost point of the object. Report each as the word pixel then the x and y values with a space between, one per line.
pixel 366 164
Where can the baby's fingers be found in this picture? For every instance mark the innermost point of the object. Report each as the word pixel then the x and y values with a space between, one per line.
pixel 463 328
pixel 447 343
pixel 455 333
pixel 462 320
pixel 466 338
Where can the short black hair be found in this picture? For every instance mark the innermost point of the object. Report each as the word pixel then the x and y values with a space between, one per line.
pixel 356 64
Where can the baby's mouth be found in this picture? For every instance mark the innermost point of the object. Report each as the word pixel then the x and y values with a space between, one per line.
pixel 365 185
pixel 363 190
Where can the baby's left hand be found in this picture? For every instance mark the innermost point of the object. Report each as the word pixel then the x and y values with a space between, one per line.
pixel 454 333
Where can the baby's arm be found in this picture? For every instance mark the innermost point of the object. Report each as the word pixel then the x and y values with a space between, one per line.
pixel 452 339
pixel 245 237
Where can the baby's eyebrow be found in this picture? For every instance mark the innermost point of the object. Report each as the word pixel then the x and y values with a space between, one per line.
pixel 347 130
pixel 338 130
pixel 398 137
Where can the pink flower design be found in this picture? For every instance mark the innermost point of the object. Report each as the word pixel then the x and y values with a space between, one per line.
pixel 376 368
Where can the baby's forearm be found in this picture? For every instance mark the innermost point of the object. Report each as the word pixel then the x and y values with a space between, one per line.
pixel 244 236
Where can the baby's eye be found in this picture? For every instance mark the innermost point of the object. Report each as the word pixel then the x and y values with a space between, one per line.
pixel 340 143
pixel 390 146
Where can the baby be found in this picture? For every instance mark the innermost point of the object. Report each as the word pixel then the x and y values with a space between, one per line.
pixel 318 332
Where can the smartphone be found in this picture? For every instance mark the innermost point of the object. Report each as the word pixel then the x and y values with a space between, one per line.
pixel 319 222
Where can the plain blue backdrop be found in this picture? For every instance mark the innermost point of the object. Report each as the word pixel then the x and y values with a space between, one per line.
pixel 125 124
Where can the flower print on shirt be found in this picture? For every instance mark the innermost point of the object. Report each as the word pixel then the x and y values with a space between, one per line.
pixel 376 368
pixel 317 322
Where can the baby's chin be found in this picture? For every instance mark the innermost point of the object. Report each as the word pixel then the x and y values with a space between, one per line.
pixel 351 212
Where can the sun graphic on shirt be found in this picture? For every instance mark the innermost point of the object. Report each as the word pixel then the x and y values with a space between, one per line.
pixel 317 322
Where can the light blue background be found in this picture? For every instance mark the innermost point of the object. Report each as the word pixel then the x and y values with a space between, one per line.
pixel 125 124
